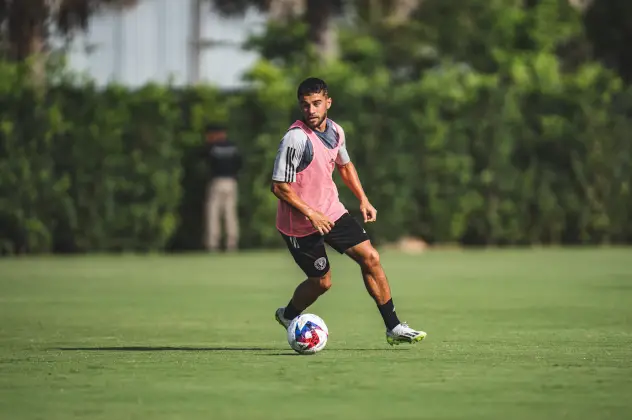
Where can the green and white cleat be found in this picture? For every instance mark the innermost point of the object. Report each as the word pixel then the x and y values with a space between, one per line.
pixel 285 323
pixel 404 334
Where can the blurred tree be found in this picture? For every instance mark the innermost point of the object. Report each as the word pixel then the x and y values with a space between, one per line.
pixel 287 39
pixel 317 14
pixel 580 4
pixel 609 27
pixel 391 11
pixel 26 25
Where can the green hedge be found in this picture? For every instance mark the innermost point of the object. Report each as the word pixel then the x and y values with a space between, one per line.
pixel 528 155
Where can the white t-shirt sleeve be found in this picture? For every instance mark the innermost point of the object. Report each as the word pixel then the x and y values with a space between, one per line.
pixel 343 155
pixel 289 156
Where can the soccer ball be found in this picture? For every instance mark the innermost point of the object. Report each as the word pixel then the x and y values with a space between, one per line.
pixel 307 334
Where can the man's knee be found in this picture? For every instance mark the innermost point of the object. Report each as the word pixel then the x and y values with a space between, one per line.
pixel 323 282
pixel 370 260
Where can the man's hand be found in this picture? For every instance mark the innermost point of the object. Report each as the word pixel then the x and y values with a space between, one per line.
pixel 368 211
pixel 320 222
pixel 350 177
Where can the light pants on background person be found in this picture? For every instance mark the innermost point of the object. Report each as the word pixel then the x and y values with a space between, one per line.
pixel 221 201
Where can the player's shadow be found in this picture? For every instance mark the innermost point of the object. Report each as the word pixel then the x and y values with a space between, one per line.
pixel 166 348
pixel 278 351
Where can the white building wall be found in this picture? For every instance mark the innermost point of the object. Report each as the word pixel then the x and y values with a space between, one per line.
pixel 150 43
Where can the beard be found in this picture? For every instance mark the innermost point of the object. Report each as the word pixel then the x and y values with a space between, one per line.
pixel 318 122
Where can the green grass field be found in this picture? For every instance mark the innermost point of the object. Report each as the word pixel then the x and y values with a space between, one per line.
pixel 514 334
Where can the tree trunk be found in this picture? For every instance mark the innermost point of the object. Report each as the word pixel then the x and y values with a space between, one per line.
pixel 403 9
pixel 318 15
pixel 39 55
pixel 26 33
pixel 581 5
pixel 281 10
pixel 322 31
pixel 25 24
pixel 25 28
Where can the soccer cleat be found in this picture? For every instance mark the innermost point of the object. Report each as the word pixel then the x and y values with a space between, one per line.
pixel 281 319
pixel 404 334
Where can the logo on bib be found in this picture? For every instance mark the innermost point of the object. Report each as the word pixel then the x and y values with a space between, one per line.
pixel 320 263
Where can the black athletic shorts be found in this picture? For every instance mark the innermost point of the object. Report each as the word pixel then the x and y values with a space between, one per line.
pixel 309 251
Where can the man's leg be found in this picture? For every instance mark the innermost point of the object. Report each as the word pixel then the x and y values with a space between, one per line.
pixel 231 217
pixel 306 294
pixel 310 255
pixel 375 280
pixel 377 285
pixel 213 206
pixel 349 237
pixel 373 274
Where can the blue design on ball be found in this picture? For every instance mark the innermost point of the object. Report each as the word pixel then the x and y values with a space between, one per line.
pixel 309 326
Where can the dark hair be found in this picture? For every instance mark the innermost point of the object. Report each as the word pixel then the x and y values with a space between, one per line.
pixel 310 86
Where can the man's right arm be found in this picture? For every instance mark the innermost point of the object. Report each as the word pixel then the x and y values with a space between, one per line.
pixel 320 222
pixel 283 192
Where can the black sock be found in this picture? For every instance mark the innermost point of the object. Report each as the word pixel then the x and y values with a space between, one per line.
pixel 290 311
pixel 388 314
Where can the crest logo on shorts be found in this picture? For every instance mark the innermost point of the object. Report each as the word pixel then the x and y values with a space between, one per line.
pixel 320 263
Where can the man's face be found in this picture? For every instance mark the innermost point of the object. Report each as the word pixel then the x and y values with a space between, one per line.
pixel 215 136
pixel 314 107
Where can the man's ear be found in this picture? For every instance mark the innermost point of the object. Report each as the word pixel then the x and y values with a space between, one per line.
pixel 328 102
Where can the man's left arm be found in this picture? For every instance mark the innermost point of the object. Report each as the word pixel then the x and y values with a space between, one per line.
pixel 351 179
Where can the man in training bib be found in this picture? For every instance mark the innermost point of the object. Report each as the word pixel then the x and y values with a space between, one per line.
pixel 310 213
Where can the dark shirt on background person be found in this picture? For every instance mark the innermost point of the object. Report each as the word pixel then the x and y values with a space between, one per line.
pixel 223 158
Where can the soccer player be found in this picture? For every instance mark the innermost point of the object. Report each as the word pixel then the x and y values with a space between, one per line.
pixel 310 214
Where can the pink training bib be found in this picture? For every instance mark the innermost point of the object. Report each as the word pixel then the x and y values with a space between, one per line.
pixel 314 185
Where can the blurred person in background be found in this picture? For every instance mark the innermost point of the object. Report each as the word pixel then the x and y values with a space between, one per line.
pixel 225 162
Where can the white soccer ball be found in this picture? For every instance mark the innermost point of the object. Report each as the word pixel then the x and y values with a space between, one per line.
pixel 307 334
